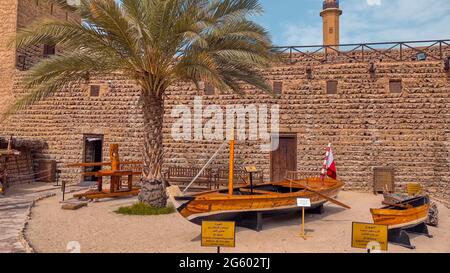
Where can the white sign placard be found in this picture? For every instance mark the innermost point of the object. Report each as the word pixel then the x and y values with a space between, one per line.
pixel 303 202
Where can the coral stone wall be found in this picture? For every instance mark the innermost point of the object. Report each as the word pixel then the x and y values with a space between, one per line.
pixel 20 169
pixel 8 15
pixel 368 126
pixel 14 15
pixel 30 11
pixel 64 119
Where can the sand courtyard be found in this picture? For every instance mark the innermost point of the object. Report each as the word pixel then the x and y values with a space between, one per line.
pixel 97 228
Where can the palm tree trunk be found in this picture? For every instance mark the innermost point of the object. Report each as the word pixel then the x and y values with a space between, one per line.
pixel 153 190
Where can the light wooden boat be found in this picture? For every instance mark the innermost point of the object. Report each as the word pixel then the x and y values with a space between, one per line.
pixel 404 214
pixel 265 197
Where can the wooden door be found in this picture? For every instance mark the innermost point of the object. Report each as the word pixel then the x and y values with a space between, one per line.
pixel 284 159
pixel 93 153
pixel 383 178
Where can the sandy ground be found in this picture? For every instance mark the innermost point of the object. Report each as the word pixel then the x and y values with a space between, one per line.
pixel 98 229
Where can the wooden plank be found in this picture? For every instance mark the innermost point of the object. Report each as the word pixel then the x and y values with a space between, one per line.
pixel 95 164
pixel 89 164
pixel 9 152
pixel 74 206
pixel 106 174
pixel 107 194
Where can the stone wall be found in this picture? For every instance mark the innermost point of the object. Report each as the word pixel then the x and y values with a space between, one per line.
pixel 368 126
pixel 8 14
pixel 20 168
pixel 30 11
pixel 16 14
pixel 63 120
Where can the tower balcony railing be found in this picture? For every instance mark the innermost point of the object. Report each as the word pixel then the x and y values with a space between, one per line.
pixel 431 50
pixel 331 4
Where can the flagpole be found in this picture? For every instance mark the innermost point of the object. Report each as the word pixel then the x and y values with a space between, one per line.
pixel 231 166
pixel 325 161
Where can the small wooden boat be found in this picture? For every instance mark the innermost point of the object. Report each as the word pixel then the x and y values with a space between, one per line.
pixel 405 214
pixel 265 197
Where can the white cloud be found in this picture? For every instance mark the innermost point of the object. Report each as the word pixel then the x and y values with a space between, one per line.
pixel 373 2
pixel 297 34
pixel 394 20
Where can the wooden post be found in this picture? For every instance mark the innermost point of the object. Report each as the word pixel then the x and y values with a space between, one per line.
pixel 63 189
pixel 130 182
pixel 115 166
pixel 251 183
pixel 303 221
pixel 10 143
pixel 231 167
pixel 100 183
pixel 303 224
pixel 114 156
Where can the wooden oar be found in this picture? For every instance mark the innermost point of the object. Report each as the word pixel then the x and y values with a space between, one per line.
pixel 332 200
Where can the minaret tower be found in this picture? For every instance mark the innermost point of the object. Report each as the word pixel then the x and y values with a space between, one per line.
pixel 330 16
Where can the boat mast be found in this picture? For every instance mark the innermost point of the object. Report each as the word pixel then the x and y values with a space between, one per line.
pixel 231 167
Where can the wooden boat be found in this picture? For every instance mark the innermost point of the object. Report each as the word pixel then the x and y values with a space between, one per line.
pixel 269 197
pixel 265 197
pixel 405 214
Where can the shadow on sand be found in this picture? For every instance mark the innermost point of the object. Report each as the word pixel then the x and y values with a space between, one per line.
pixel 285 218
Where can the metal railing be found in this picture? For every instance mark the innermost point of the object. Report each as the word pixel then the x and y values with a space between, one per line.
pixel 330 4
pixel 438 50
pixel 392 51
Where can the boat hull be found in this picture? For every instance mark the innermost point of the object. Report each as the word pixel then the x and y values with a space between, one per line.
pixel 396 217
pixel 242 217
pixel 271 197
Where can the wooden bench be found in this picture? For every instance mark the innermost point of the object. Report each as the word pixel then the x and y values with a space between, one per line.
pixel 240 178
pixel 208 179
pixel 182 176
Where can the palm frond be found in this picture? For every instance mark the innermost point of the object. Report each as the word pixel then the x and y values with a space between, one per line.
pixel 64 4
pixel 155 42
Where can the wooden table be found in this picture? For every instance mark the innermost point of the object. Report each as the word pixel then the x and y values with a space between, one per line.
pixel 115 179
pixel 115 173
pixel 115 187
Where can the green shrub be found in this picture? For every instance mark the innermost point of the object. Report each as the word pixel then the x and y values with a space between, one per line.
pixel 144 209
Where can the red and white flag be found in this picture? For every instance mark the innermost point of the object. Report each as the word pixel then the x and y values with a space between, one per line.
pixel 329 166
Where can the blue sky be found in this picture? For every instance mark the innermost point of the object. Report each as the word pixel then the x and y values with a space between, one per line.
pixel 297 22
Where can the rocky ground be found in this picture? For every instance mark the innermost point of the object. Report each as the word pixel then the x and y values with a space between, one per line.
pixel 97 228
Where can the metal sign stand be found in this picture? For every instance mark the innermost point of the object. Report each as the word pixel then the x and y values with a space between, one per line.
pixel 63 189
pixel 251 170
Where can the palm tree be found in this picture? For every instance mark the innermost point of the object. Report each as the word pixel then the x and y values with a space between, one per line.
pixel 156 43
